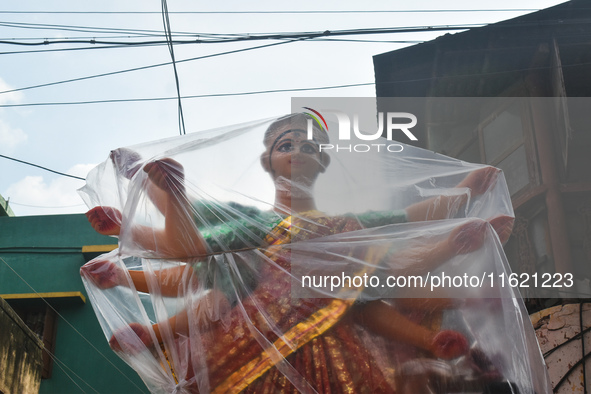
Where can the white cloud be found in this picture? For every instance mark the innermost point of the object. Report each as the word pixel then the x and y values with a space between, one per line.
pixel 12 97
pixel 10 137
pixel 81 170
pixel 34 195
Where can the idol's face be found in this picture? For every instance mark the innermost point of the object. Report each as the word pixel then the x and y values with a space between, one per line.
pixel 292 156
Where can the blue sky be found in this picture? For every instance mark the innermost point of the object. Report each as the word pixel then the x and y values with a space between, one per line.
pixel 74 138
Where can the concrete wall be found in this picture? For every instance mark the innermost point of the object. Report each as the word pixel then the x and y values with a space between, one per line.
pixel 20 354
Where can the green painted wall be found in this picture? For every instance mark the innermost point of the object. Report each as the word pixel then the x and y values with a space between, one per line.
pixel 45 253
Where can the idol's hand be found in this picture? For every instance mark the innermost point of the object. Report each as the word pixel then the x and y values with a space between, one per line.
pixel 503 226
pixel 103 273
pixel 479 181
pixel 131 339
pixel 105 220
pixel 468 237
pixel 449 344
pixel 126 161
pixel 167 174
pixel 447 206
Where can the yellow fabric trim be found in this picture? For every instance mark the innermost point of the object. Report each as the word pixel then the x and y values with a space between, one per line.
pixel 281 233
pixel 170 366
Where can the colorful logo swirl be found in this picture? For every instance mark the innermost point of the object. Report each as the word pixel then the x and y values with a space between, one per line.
pixel 315 116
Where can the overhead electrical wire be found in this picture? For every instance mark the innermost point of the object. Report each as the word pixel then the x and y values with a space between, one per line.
pixel 150 32
pixel 168 32
pixel 145 67
pixel 58 362
pixel 291 38
pixel 280 12
pixel 306 36
pixel 281 90
pixel 212 38
pixel 159 65
pixel 105 30
pixel 41 167
pixel 218 38
pixel 92 47
pixel 164 43
pixel 83 29
pixel 112 44
pixel 186 97
pixel 68 38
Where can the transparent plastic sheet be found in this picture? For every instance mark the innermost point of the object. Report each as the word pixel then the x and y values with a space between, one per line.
pixel 242 254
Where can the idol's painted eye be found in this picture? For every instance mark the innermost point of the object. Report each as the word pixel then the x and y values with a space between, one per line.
pixel 285 147
pixel 310 149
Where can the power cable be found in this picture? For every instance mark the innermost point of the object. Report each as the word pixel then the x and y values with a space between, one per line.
pixel 111 44
pixel 187 97
pixel 279 12
pixel 94 46
pixel 164 43
pixel 59 363
pixel 87 37
pixel 145 67
pixel 164 64
pixel 43 168
pixel 211 38
pixel 83 29
pixel 105 30
pixel 93 42
pixel 218 38
pixel 168 33
pixel 284 90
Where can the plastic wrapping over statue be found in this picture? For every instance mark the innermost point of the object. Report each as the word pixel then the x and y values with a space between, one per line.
pixel 255 258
